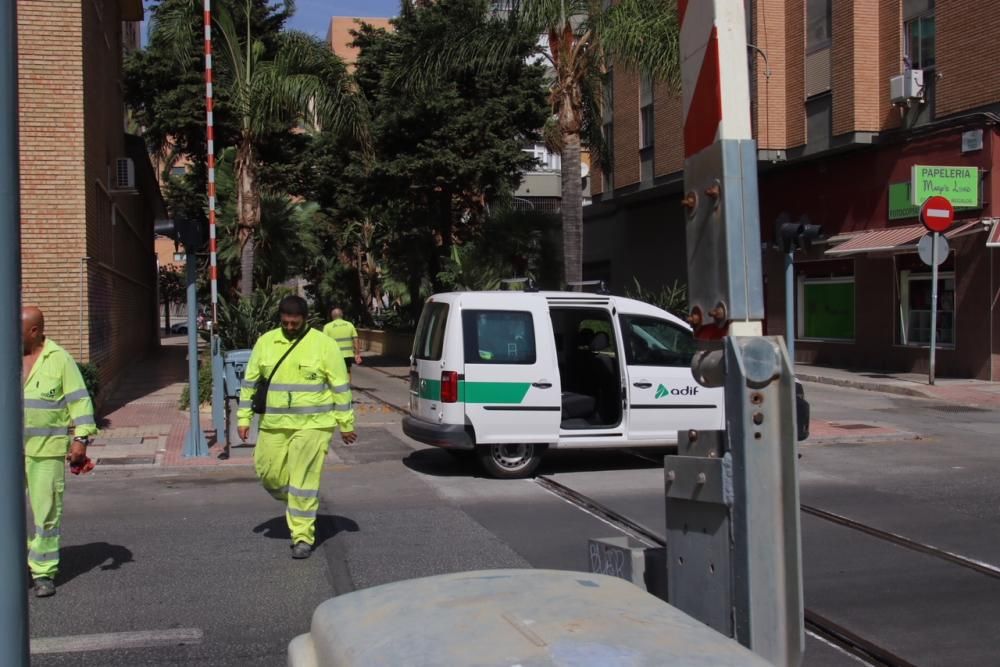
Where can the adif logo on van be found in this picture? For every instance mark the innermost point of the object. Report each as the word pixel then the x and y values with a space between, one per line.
pixel 662 391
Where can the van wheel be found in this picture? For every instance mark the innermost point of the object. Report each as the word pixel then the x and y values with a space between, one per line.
pixel 510 461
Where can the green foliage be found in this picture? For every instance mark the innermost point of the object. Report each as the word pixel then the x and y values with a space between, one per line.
pixel 671 298
pixel 204 386
pixel 164 82
pixel 243 320
pixel 444 154
pixel 172 286
pixel 582 39
pixel 91 379
pixel 510 244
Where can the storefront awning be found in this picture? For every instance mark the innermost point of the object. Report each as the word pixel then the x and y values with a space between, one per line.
pixel 896 239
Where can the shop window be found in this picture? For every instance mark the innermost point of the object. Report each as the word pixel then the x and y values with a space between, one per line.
pixel 826 309
pixel 915 308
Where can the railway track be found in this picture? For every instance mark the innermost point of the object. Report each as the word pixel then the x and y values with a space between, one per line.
pixel 820 627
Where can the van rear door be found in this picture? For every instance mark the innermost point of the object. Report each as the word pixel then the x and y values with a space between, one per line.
pixel 427 364
pixel 511 386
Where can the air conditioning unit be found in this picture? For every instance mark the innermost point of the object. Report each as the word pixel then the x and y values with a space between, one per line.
pixel 124 174
pixel 907 86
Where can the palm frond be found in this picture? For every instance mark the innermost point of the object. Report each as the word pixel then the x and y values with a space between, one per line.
pixel 644 35
pixel 230 42
pixel 175 25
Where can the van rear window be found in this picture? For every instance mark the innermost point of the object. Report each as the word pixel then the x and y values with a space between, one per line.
pixel 498 337
pixel 428 344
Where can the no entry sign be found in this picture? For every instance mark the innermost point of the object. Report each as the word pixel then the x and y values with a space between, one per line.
pixel 937 214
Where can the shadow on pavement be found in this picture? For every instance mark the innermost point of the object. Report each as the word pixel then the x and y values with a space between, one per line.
pixel 82 558
pixel 327 526
pixel 451 463
pixel 163 368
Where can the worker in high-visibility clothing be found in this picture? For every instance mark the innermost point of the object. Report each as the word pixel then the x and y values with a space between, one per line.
pixel 56 401
pixel 308 398
pixel 345 336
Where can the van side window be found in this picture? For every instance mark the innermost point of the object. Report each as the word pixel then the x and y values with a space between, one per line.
pixel 653 342
pixel 428 343
pixel 498 337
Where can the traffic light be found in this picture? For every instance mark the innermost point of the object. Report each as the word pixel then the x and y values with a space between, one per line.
pixel 797 235
pixel 187 232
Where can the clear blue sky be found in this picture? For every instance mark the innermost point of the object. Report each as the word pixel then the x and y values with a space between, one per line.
pixel 313 16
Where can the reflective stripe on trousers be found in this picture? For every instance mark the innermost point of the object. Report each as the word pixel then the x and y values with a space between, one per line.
pixel 46 479
pixel 290 466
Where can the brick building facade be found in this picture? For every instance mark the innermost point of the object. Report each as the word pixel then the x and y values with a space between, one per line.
pixel 837 150
pixel 87 240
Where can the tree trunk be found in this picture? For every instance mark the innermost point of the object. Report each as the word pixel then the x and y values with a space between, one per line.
pixel 166 316
pixel 248 209
pixel 572 208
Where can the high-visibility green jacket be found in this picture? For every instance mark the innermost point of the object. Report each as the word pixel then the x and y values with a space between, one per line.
pixel 56 400
pixel 310 390
pixel 343 334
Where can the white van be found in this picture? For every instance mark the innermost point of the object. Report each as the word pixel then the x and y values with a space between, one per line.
pixel 509 374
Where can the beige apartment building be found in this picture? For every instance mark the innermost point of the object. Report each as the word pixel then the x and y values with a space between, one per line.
pixel 848 97
pixel 88 193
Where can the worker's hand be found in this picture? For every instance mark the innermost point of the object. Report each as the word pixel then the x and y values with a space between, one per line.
pixel 349 437
pixel 77 453
pixel 244 432
pixel 357 359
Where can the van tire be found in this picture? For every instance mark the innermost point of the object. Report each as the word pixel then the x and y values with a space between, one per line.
pixel 510 461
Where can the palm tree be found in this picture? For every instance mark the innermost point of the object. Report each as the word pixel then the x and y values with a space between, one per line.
pixel 580 39
pixel 302 80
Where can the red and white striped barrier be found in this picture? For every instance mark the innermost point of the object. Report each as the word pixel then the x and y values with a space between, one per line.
pixel 716 84
pixel 210 134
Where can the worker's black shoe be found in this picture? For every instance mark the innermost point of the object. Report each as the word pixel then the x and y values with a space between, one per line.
pixel 44 587
pixel 301 550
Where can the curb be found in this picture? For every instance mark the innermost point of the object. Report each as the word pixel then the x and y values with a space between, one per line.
pixel 841 439
pixel 867 386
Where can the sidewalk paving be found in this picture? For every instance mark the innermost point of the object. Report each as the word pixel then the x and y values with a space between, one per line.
pixel 978 393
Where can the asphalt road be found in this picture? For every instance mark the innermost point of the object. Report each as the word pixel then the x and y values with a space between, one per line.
pixel 205 552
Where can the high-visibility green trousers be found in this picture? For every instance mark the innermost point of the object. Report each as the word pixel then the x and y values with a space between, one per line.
pixel 46 477
pixel 289 464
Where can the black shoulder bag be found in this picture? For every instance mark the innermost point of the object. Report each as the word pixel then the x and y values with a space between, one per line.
pixel 259 401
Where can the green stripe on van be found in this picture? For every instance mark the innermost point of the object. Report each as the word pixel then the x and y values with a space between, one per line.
pixel 510 393
pixel 493 392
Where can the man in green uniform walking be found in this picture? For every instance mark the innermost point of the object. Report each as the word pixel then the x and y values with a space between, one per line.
pixel 56 401
pixel 345 336
pixel 308 396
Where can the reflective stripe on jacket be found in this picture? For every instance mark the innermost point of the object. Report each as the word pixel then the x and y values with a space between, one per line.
pixel 56 402
pixel 343 334
pixel 310 389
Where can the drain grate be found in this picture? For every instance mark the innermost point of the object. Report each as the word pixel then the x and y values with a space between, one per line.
pixel 855 427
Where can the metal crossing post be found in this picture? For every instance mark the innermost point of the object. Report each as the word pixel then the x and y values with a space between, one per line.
pixel 13 600
pixel 733 545
pixel 194 444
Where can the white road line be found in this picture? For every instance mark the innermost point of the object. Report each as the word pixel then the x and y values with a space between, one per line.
pixel 116 641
